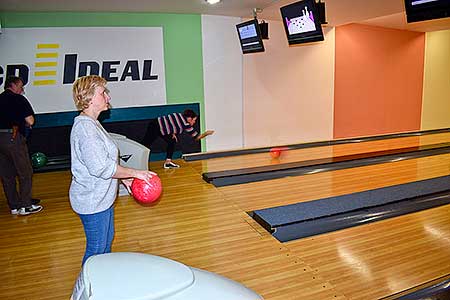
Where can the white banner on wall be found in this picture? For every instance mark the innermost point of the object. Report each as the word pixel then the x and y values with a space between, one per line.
pixel 131 59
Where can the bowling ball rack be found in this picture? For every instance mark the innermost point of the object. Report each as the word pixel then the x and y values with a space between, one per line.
pixel 55 163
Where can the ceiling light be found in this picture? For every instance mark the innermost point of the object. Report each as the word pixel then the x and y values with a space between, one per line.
pixel 213 1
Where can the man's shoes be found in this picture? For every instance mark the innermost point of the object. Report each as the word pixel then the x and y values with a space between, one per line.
pixel 170 165
pixel 27 210
pixel 35 201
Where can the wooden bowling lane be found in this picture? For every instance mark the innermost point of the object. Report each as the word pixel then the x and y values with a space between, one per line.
pixel 289 190
pixel 264 159
pixel 40 254
pixel 204 227
pixel 379 259
pixel 195 225
pixel 371 261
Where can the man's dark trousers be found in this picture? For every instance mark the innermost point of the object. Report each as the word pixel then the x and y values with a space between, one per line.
pixel 15 162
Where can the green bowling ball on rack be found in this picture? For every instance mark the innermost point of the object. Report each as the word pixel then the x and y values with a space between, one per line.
pixel 38 160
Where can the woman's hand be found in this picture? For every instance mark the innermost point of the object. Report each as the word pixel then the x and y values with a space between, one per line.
pixel 144 175
pixel 126 173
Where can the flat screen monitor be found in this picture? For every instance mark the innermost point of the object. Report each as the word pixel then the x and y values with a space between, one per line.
pixel 302 22
pixel 421 10
pixel 250 37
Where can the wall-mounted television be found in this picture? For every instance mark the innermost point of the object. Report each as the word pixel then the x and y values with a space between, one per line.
pixel 302 22
pixel 250 37
pixel 421 10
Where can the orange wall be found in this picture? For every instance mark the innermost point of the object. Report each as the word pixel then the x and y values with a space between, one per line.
pixel 378 80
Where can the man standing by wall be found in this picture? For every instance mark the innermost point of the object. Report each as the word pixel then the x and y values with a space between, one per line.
pixel 16 116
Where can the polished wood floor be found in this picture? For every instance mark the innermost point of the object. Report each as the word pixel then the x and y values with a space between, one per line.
pixel 207 227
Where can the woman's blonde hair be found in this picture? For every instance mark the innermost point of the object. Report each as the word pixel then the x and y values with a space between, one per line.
pixel 84 89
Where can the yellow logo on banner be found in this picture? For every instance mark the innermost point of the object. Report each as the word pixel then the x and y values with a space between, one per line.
pixel 52 67
pixel 45 65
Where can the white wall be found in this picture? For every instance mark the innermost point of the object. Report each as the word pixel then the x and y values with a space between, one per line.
pixel 222 73
pixel 288 91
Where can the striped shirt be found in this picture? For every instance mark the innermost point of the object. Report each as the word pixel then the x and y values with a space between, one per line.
pixel 175 123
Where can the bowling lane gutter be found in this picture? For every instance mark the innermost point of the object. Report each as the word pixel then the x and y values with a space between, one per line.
pixel 208 155
pixel 246 175
pixel 436 287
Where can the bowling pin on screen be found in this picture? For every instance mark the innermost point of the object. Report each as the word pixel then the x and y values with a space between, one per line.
pixel 302 22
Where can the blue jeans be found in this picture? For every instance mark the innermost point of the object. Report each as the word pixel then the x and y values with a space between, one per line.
pixel 99 230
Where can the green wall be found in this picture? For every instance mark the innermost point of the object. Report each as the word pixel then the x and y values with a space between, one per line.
pixel 182 43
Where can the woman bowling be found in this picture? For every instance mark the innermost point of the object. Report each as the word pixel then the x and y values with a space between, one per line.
pixel 95 166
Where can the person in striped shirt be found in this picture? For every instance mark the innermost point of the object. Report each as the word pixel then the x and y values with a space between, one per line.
pixel 167 127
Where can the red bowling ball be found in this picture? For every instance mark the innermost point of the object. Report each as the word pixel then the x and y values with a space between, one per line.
pixel 275 152
pixel 144 192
